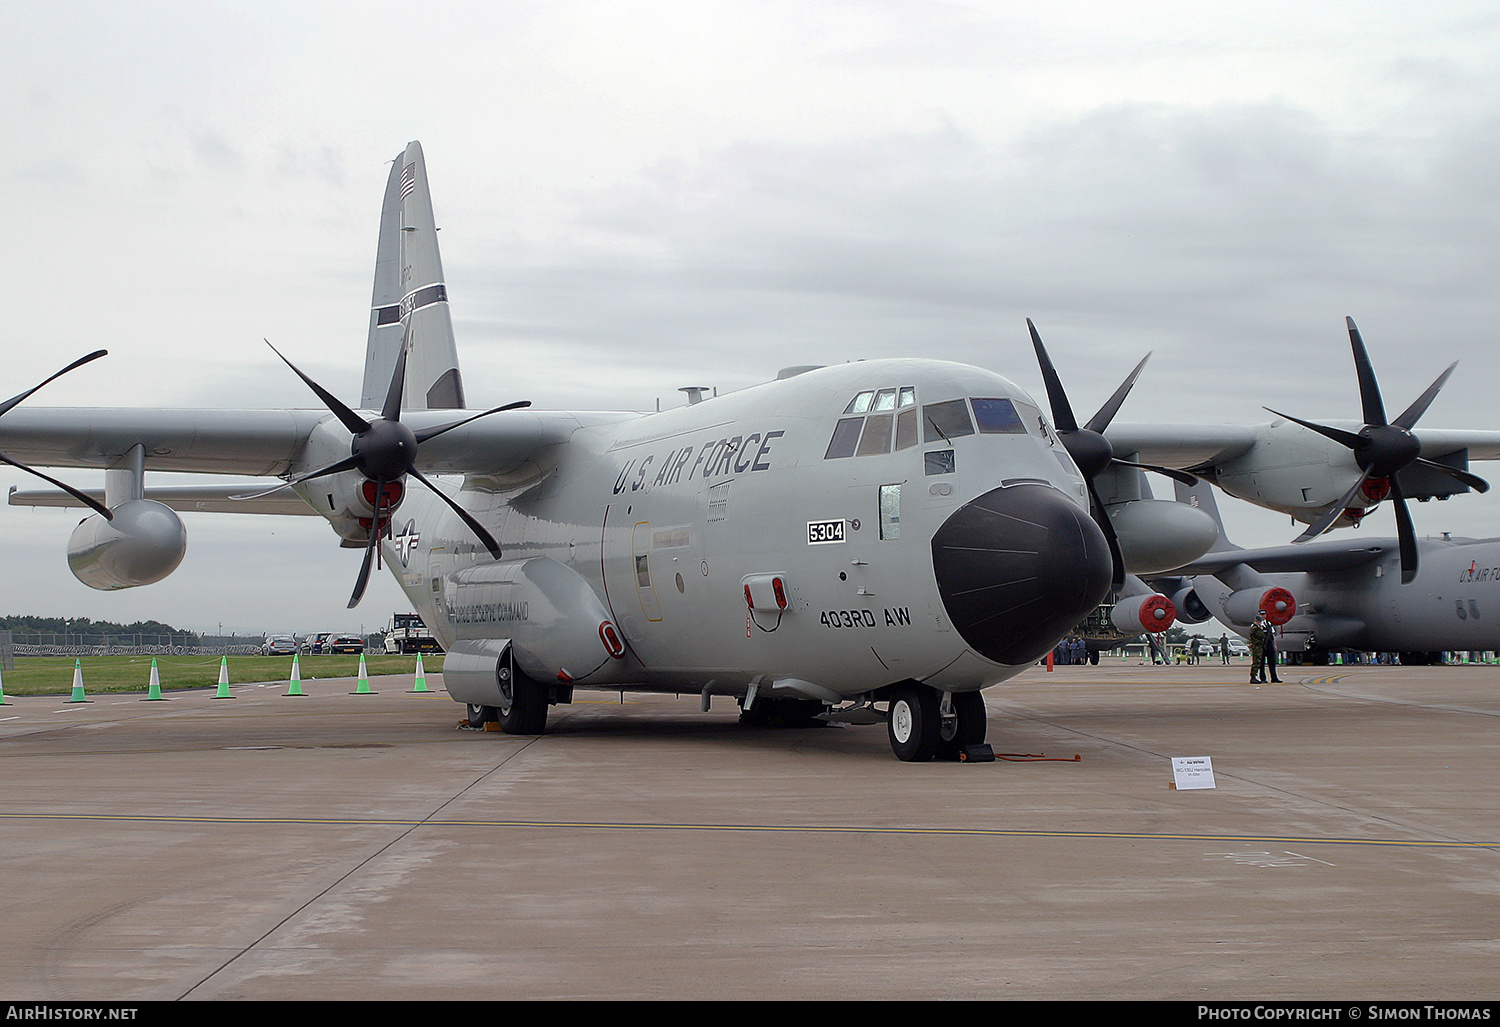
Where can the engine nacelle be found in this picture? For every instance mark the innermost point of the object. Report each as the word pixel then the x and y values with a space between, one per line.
pixel 143 544
pixel 1190 608
pixel 1279 605
pixel 1157 535
pixel 348 501
pixel 1153 613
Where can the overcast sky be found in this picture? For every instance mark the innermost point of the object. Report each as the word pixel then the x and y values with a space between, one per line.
pixel 660 194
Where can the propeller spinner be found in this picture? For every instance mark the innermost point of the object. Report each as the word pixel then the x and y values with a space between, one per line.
pixel 5 408
pixel 1383 449
pixel 385 451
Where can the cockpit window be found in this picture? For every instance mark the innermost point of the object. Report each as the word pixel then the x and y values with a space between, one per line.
pixel 877 435
pixel 869 432
pixel 845 438
pixel 997 417
pixel 942 421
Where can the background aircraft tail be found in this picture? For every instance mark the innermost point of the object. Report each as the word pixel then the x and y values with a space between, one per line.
pixel 411 296
pixel 1201 495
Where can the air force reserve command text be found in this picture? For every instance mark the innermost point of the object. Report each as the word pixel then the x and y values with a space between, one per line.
pixel 1296 1011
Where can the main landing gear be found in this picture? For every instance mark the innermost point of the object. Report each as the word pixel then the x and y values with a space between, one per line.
pixel 924 723
pixel 523 705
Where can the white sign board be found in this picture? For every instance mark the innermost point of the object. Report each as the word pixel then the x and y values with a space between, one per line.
pixel 1192 772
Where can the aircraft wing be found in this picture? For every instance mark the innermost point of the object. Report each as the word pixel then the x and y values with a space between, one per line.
pixel 1201 446
pixel 1326 555
pixel 1183 445
pixel 264 443
pixel 186 498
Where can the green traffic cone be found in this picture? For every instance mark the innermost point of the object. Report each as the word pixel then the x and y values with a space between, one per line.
pixel 78 682
pixel 295 685
pixel 153 690
pixel 223 692
pixel 364 679
pixel 3 701
pixel 421 685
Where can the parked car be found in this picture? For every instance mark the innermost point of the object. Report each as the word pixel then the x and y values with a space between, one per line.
pixel 318 641
pixel 279 645
pixel 346 644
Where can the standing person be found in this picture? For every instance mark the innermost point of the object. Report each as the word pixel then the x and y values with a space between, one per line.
pixel 1258 632
pixel 1271 650
pixel 1224 649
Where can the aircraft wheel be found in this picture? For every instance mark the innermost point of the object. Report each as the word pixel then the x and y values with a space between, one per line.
pixel 523 704
pixel 968 729
pixel 914 724
pixel 479 716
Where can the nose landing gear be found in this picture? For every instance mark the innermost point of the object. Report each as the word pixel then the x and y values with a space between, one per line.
pixel 924 723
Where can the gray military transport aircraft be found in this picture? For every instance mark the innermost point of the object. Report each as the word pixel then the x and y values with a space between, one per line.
pixel 1347 593
pixel 873 541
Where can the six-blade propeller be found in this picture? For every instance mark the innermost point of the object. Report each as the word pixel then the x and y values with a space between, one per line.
pixel 5 408
pixel 1382 449
pixel 384 451
pixel 1088 447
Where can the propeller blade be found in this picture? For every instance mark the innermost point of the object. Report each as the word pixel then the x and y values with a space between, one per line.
pixel 1333 513
pixel 349 463
pixel 6 406
pixel 1474 481
pixel 1171 472
pixel 1107 412
pixel 1116 558
pixel 371 548
pixel 392 409
pixel 84 498
pixel 1405 534
pixel 1343 438
pixel 1369 388
pixel 257 495
pixel 1408 418
pixel 432 433
pixel 347 417
pixel 464 515
pixel 1062 413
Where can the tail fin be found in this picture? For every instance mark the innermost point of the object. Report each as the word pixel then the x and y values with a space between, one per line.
pixel 410 297
pixel 1201 496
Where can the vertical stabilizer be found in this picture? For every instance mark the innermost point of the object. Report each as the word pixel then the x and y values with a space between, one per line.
pixel 1201 496
pixel 410 296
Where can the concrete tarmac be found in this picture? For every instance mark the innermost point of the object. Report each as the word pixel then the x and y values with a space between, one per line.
pixel 343 846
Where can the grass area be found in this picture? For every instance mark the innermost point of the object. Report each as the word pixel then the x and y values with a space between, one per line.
pixel 53 675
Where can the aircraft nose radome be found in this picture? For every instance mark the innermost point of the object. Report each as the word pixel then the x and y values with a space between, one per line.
pixel 1017 568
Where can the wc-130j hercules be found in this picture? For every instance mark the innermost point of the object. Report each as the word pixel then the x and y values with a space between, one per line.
pixel 870 541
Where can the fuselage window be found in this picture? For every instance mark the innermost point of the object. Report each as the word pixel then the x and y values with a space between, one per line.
pixel 885 399
pixel 877 435
pixel 890 512
pixel 938 461
pixel 845 438
pixel 941 421
pixel 860 404
pixel 997 417
pixel 908 396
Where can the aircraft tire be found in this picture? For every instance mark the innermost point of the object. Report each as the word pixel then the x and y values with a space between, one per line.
pixel 479 716
pixel 968 730
pixel 914 723
pixel 523 708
